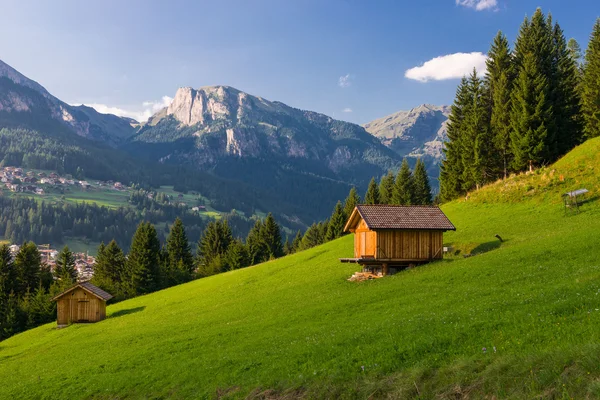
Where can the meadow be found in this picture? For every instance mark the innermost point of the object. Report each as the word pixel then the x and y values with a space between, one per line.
pixel 513 319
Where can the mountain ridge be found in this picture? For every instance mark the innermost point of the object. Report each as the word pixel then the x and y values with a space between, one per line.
pixel 418 132
pixel 82 120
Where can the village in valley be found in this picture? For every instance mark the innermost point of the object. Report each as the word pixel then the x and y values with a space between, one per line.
pixel 84 262
pixel 48 184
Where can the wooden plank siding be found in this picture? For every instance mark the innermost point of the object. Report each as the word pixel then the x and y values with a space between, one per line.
pixel 409 245
pixel 365 241
pixel 80 306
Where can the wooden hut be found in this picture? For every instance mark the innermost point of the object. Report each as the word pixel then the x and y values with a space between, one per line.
pixel 388 238
pixel 83 302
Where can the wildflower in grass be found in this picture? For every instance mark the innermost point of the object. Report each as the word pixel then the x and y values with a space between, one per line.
pixel 494 349
pixel 484 350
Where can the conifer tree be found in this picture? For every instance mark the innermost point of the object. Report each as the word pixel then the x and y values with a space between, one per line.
pixel 312 237
pixel 403 187
pixel 529 116
pixel 532 120
pixel 7 271
pixel 296 242
pixel 590 85
pixel 65 266
pixel 287 246
pixel 212 247
pixel 451 167
pixel 257 249
pixel 351 202
pixel 335 228
pixel 271 236
pixel 27 268
pixel 421 186
pixel 237 255
pixel 498 85
pixel 372 195
pixel 142 267
pixel 575 51
pixel 566 101
pixel 386 188
pixel 180 259
pixel 476 143
pixel 109 269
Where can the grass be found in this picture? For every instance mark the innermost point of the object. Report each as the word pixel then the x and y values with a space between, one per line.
pixel 296 327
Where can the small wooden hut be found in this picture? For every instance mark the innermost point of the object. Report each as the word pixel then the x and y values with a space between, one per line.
pixel 83 302
pixel 388 237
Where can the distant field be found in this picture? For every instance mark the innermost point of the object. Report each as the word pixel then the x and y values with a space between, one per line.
pixel 108 196
pixel 518 319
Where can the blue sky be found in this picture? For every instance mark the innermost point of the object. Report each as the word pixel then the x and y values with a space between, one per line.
pixel 344 58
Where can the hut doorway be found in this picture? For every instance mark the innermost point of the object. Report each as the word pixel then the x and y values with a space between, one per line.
pixel 82 310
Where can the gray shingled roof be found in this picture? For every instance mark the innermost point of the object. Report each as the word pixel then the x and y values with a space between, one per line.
pixel 95 290
pixel 380 216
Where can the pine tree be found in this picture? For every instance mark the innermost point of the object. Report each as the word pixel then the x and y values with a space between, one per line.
pixel 296 242
pixel 451 167
pixel 271 237
pixel 372 195
pixel 590 85
pixel 142 271
pixel 403 187
pixel 180 261
pixel 7 271
pixel 109 269
pixel 386 188
pixel 335 228
pixel 421 186
pixel 212 247
pixel 351 202
pixel 575 51
pixel 27 268
pixel 65 266
pixel 237 255
pixel 529 115
pixel 312 237
pixel 475 146
pixel 287 246
pixel 533 128
pixel 566 102
pixel 498 80
pixel 256 246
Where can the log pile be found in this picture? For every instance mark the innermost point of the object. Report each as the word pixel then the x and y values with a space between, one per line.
pixel 363 276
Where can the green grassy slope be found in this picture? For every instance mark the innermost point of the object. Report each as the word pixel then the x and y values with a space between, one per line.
pixel 295 326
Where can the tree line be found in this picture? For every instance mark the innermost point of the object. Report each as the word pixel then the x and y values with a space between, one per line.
pixel 534 104
pixel 406 187
pixel 27 286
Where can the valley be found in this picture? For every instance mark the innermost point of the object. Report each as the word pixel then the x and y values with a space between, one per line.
pixel 526 307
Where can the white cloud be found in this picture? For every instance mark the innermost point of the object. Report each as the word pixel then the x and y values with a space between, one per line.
pixel 479 5
pixel 450 66
pixel 148 109
pixel 347 110
pixel 345 80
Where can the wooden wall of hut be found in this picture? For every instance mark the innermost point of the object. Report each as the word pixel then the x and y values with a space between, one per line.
pixel 80 306
pixel 409 245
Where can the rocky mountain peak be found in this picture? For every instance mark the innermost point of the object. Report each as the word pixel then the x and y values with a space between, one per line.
pixel 418 132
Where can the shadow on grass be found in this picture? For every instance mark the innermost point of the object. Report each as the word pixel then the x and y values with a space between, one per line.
pixel 127 311
pixel 487 246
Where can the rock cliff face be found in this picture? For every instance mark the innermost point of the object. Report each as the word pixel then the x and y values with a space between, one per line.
pixel 202 126
pixel 25 103
pixel 419 132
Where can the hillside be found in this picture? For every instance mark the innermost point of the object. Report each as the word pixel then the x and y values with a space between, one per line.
pixel 518 319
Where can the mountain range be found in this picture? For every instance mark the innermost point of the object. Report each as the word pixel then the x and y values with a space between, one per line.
pixel 299 157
